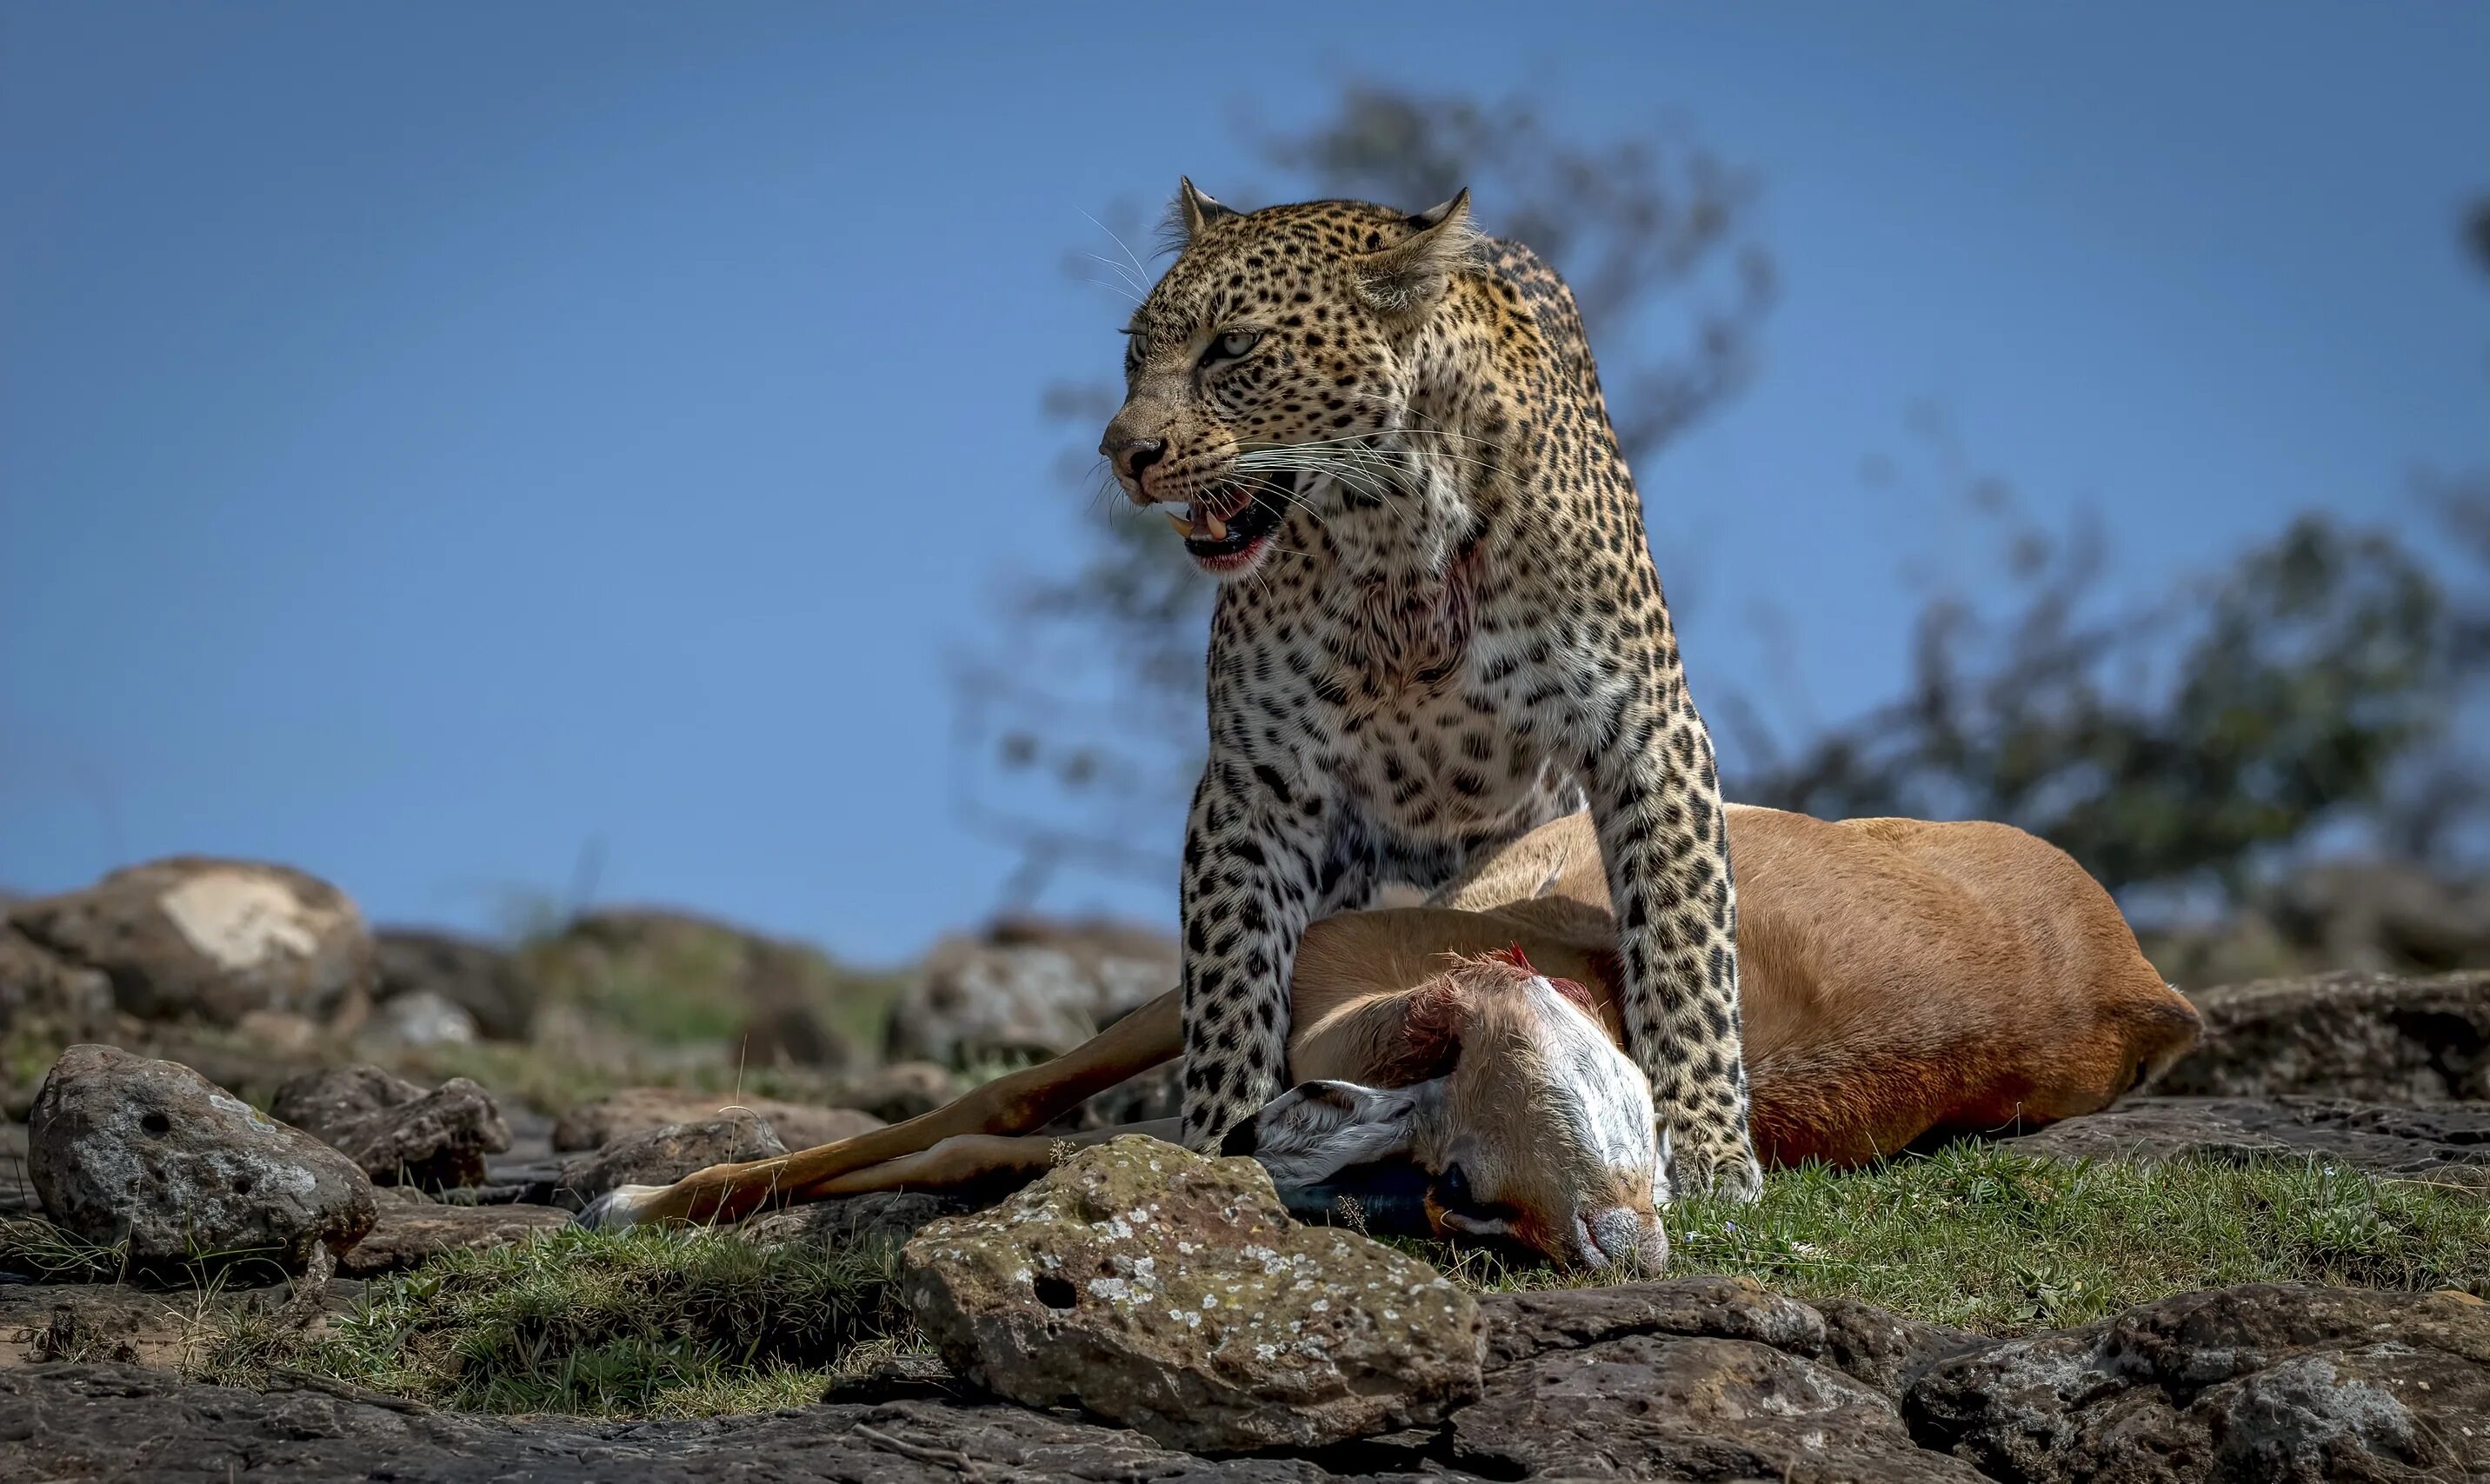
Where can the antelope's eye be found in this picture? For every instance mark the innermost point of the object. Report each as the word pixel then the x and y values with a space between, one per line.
pixel 1229 346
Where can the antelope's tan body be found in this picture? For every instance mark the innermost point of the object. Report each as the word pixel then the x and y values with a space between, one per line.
pixel 1898 977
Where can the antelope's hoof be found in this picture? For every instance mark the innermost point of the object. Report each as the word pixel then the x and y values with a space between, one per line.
pixel 616 1209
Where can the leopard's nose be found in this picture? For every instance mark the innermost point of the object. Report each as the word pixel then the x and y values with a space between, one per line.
pixel 1135 454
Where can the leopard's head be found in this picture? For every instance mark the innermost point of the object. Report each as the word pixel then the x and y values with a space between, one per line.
pixel 1278 346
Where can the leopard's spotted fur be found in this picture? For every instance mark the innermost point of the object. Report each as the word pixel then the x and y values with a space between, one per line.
pixel 1454 633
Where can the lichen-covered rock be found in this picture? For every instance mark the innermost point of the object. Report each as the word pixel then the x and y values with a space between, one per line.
pixel 663 1155
pixel 2260 1383
pixel 1171 1292
pixel 123 1147
pixel 398 1133
pixel 190 937
pixel 636 1110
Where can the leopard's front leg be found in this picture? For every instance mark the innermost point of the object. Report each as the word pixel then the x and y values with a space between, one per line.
pixel 1252 853
pixel 1655 798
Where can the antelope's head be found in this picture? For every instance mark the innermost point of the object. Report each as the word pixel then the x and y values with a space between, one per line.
pixel 1500 1086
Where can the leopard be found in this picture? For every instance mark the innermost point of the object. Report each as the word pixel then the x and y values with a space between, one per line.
pixel 1438 625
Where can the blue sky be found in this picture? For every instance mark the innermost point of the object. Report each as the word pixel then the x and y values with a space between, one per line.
pixel 434 438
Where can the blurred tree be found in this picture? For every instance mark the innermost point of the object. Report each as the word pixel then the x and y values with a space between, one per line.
pixel 2315 690
pixel 2184 742
pixel 1080 749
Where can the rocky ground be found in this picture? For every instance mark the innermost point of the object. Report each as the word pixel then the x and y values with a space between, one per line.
pixel 1684 1380
pixel 261 1143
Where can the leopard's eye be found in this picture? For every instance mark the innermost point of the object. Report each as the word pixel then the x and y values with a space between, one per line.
pixel 1229 346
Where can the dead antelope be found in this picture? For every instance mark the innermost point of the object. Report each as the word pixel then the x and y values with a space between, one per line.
pixel 1899 979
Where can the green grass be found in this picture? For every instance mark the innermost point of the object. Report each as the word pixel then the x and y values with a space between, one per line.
pixel 2008 1243
pixel 642 1323
pixel 658 1323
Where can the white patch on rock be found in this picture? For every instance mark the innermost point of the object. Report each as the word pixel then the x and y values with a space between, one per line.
pixel 239 919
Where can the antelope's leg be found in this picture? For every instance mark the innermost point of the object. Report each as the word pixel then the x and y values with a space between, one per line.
pixel 1011 1104
pixel 969 1159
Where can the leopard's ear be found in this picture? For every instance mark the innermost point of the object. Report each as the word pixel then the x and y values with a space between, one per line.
pixel 1410 274
pixel 1195 211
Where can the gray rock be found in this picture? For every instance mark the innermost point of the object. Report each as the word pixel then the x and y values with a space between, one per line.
pixel 880 1216
pixel 1668 1407
pixel 324 1101
pixel 1870 1345
pixel 902 1090
pixel 1026 989
pixel 478 977
pixel 1521 1326
pixel 2447 1141
pixel 122 1147
pixel 2381 916
pixel 420 1019
pixel 635 1110
pixel 190 937
pixel 121 1422
pixel 2370 1037
pixel 2261 1383
pixel 399 1134
pixel 1171 1292
pixel 411 1230
pixel 1882 1349
pixel 40 986
pixel 663 1155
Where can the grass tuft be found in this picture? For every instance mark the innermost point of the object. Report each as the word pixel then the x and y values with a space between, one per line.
pixel 33 1250
pixel 2005 1242
pixel 640 1322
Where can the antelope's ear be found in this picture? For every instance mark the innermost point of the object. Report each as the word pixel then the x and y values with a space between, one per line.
pixel 1195 211
pixel 1317 1128
pixel 1410 274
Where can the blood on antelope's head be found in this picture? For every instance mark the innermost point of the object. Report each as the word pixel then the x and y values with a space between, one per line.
pixel 1501 1085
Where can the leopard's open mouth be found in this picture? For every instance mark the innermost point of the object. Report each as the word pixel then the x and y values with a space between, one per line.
pixel 1225 530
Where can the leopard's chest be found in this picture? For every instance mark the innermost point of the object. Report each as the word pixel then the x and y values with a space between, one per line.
pixel 1445 765
pixel 1434 709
